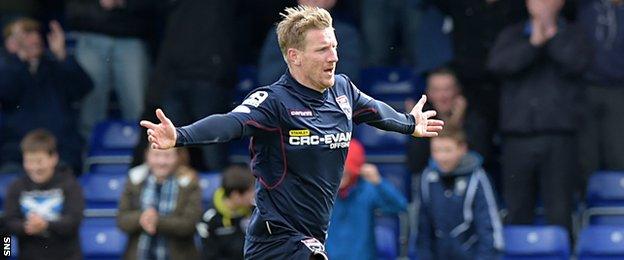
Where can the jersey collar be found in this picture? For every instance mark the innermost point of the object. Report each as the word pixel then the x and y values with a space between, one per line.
pixel 308 94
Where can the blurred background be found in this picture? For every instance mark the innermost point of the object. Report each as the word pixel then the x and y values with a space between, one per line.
pixel 538 92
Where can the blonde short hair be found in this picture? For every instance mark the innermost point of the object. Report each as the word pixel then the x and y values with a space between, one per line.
pixel 291 31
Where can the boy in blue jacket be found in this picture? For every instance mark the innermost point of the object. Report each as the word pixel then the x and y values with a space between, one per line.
pixel 362 191
pixel 458 217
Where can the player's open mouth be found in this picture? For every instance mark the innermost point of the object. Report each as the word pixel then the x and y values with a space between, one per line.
pixel 330 70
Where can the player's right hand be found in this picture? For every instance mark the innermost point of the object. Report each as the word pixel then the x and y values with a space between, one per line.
pixel 163 135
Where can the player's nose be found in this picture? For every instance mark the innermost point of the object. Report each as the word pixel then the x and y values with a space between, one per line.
pixel 333 56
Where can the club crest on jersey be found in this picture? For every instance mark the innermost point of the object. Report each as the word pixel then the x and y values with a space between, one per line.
pixel 343 103
pixel 313 244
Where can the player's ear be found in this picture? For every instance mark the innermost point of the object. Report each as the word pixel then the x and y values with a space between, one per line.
pixel 294 56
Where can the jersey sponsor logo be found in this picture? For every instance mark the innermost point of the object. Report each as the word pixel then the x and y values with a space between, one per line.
pixel 241 109
pixel 303 137
pixel 256 98
pixel 343 103
pixel 302 132
pixel 301 112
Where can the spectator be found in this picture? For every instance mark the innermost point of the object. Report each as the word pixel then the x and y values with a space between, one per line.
pixel 602 141
pixel 222 228
pixel 471 47
pixel 380 21
pixel 35 93
pixel 433 44
pixel 193 67
pixel 362 191
pixel 458 217
pixel 272 64
pixel 43 209
pixel 160 206
pixel 540 62
pixel 110 45
pixel 445 96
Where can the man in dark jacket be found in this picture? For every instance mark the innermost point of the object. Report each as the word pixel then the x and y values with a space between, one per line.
pixel 458 217
pixel 43 209
pixel 196 63
pixel 471 47
pixel 540 62
pixel 39 90
pixel 222 227
pixel 111 47
pixel 603 147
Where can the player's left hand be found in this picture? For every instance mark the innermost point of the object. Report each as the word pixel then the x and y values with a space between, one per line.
pixel 425 127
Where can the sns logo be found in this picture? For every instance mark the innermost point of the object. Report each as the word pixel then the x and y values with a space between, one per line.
pixel 6 246
pixel 303 137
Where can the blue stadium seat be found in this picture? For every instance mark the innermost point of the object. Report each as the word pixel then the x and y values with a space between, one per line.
pixel 605 199
pixel 114 137
pixel 536 242
pixel 14 248
pixel 391 84
pixel 209 183
pixel 386 81
pixel 101 239
pixel 387 237
pixel 5 181
pixel 109 168
pixel 247 81
pixel 112 142
pixel 397 174
pixel 601 242
pixel 102 192
pixel 381 146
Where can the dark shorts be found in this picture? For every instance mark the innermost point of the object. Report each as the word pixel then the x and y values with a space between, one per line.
pixel 296 248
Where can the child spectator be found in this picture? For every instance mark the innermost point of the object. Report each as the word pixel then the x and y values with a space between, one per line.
pixel 362 191
pixel 222 228
pixel 458 217
pixel 160 206
pixel 43 209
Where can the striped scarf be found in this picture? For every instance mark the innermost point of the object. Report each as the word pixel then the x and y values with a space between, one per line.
pixel 166 205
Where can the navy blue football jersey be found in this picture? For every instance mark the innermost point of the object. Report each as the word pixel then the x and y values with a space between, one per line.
pixel 299 142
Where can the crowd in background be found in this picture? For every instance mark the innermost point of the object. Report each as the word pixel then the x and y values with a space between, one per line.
pixel 533 87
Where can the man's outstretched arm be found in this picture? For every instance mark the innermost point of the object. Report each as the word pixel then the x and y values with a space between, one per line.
pixel 212 129
pixel 380 115
pixel 255 113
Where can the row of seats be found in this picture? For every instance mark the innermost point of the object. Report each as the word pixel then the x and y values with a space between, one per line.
pixel 102 190
pixel 101 239
pixel 552 243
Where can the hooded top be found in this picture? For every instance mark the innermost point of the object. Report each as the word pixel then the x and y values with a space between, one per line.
pixel 223 230
pixel 458 216
pixel 60 202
